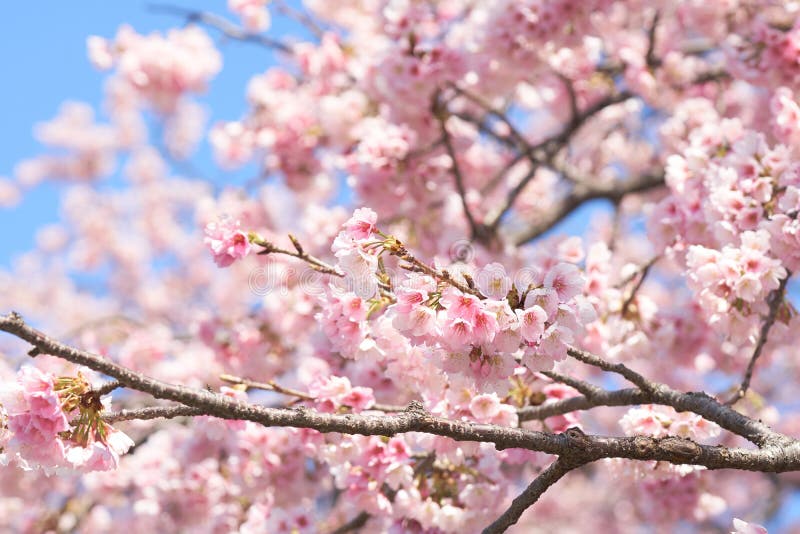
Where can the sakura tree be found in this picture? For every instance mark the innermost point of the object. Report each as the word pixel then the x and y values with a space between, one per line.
pixel 390 328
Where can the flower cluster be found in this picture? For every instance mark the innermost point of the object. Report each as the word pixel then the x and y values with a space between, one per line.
pixel 365 463
pixel 477 335
pixel 160 69
pixel 334 392
pixel 733 214
pixel 56 423
pixel 733 283
pixel 657 421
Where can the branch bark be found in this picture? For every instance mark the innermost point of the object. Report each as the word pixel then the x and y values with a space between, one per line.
pixel 778 453
pixel 697 402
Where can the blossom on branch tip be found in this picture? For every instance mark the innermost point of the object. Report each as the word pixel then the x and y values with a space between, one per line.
pixel 226 241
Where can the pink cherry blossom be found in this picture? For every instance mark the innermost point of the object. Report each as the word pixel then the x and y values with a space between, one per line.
pixel 565 279
pixel 485 407
pixel 532 323
pixel 362 224
pixel 226 241
pixel 493 281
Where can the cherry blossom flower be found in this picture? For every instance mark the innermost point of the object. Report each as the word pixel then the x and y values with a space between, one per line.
pixel 226 241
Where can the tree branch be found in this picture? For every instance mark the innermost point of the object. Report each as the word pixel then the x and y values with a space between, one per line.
pixel 774 300
pixel 277 388
pixel 152 412
pixel 588 390
pixel 354 524
pixel 515 134
pixel 583 193
pixel 621 397
pixel 778 453
pixel 108 387
pixel 697 402
pixel 632 295
pixel 226 27
pixel 527 498
pixel 475 228
pixel 314 262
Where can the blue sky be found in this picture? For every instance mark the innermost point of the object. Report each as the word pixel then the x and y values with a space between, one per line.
pixel 43 54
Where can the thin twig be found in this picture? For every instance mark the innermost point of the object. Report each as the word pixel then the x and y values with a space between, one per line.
pixel 516 135
pixel 573 98
pixel 632 295
pixel 588 390
pixel 621 369
pixel 457 176
pixel 225 26
pixel 107 387
pixel 440 275
pixel 315 263
pixel 494 222
pixel 277 388
pixel 354 524
pixel 650 57
pixel 302 17
pixel 774 300
pixel 642 268
pixel 527 498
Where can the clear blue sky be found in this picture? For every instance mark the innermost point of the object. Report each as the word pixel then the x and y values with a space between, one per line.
pixel 43 56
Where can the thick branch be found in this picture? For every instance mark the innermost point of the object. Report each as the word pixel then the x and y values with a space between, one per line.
pixel 527 498
pixel 778 453
pixel 696 402
pixel 152 412
pixel 621 397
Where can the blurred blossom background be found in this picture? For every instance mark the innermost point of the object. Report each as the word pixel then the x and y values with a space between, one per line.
pixel 45 64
